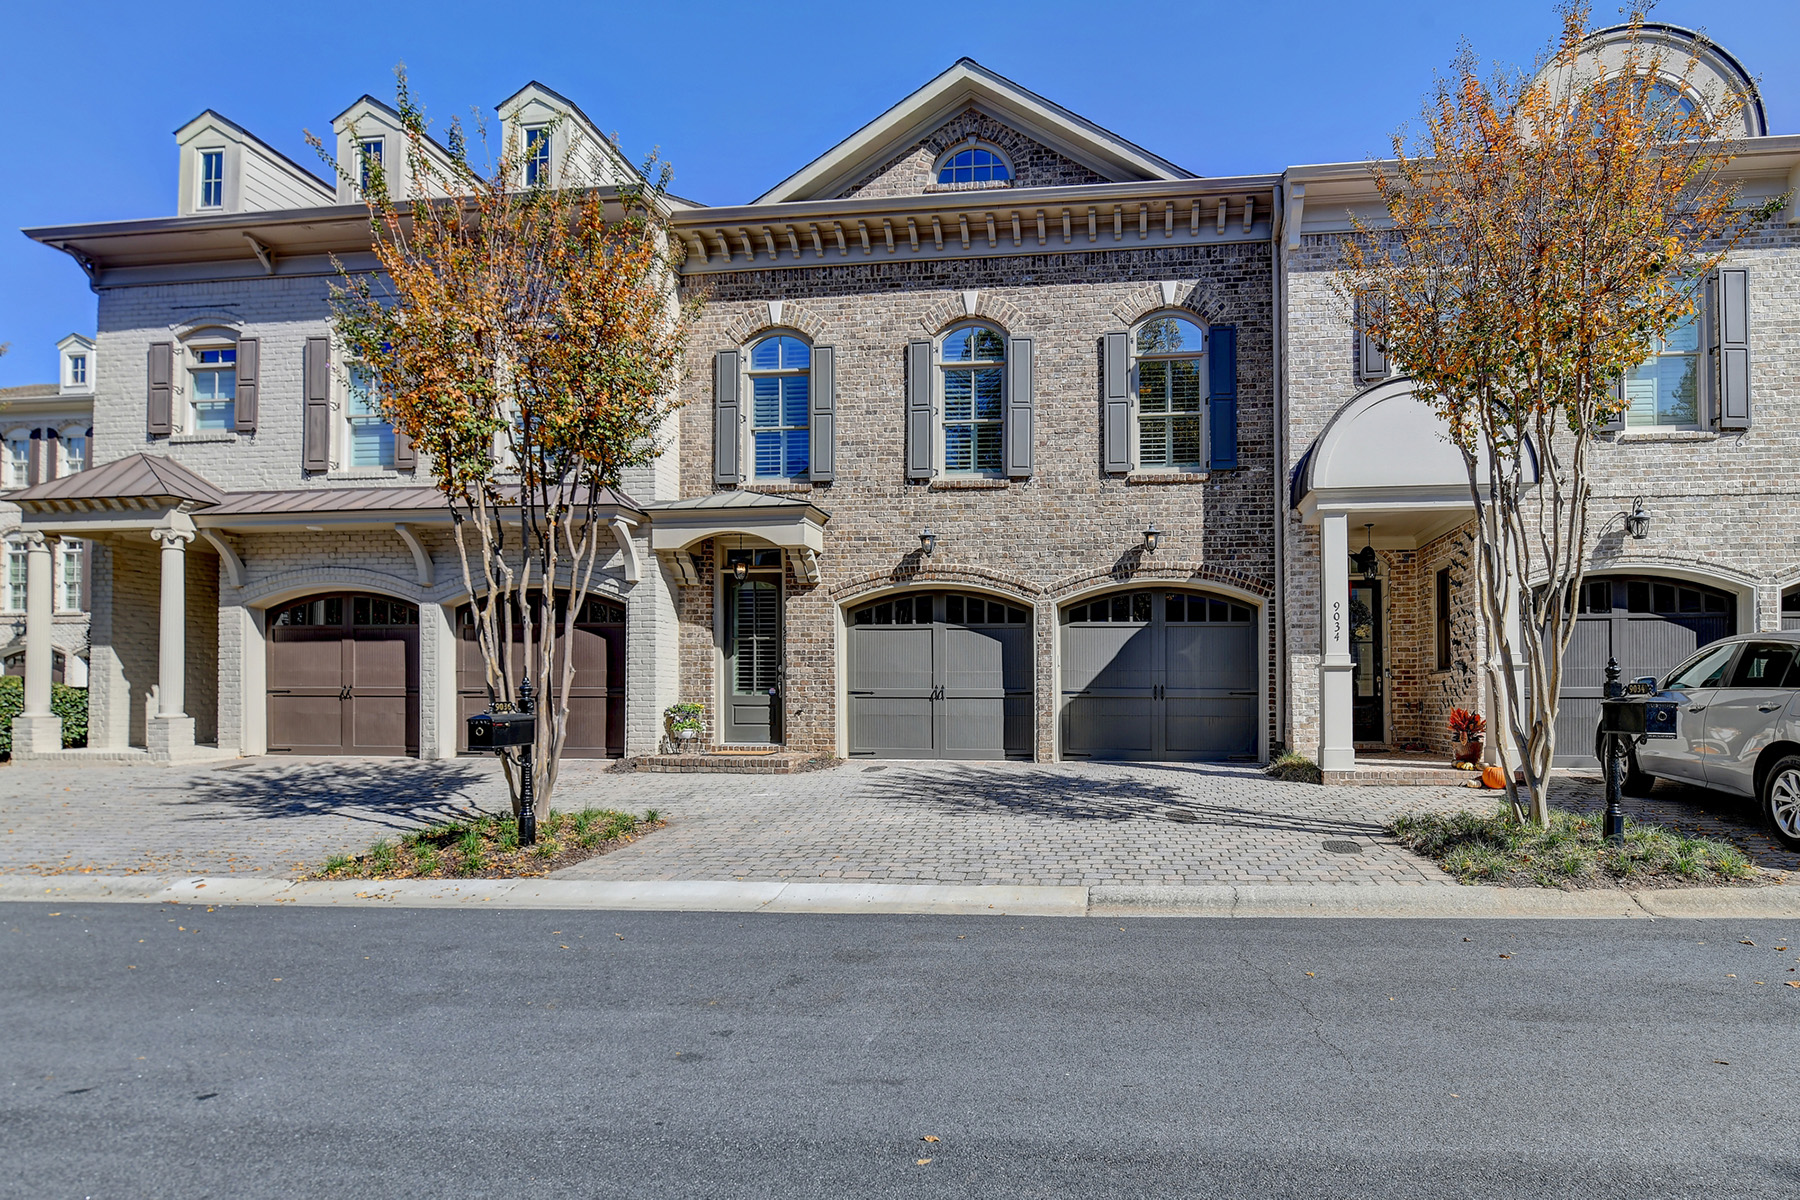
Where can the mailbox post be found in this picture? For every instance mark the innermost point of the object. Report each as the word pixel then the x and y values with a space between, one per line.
pixel 500 732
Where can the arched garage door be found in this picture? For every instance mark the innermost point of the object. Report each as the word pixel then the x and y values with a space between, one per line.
pixel 939 675
pixel 1159 675
pixel 1649 625
pixel 344 676
pixel 596 695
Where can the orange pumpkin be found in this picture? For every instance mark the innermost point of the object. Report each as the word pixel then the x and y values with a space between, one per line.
pixel 1493 777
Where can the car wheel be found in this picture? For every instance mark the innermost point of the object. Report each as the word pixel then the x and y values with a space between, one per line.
pixel 1638 782
pixel 1781 800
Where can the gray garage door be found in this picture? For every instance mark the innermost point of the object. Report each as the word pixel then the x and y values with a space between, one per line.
pixel 939 675
pixel 1649 625
pixel 1159 675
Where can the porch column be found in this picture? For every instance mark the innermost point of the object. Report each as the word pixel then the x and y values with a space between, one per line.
pixel 1337 750
pixel 171 730
pixel 37 730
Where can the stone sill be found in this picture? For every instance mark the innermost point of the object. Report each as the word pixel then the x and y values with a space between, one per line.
pixel 970 485
pixel 776 489
pixel 1665 435
pixel 1135 477
pixel 363 474
pixel 200 439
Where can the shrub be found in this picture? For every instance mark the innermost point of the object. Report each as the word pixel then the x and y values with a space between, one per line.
pixel 1295 768
pixel 69 703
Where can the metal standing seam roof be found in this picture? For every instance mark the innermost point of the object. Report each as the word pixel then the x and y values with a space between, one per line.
pixel 360 499
pixel 137 477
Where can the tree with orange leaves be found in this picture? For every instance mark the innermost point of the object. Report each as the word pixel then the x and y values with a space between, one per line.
pixel 527 340
pixel 1542 235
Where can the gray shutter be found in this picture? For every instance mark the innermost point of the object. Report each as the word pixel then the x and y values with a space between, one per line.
pixel 316 432
pixel 1371 356
pixel 161 378
pixel 249 362
pixel 918 410
pixel 728 436
pixel 1222 426
pixel 1115 426
pixel 1731 325
pixel 821 453
pixel 1617 420
pixel 405 457
pixel 1018 427
pixel 87 575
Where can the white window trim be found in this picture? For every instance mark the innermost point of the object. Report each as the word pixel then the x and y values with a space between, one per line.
pixel 747 426
pixel 342 447
pixel 206 339
pixel 547 132
pixel 63 438
pixel 69 548
pixel 361 143
pixel 940 409
pixel 972 142
pixel 14 552
pixel 1138 466
pixel 19 434
pixel 200 156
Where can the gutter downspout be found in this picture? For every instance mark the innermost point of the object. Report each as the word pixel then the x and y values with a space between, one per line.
pixel 1277 258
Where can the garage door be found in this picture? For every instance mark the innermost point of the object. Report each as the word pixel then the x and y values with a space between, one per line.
pixel 344 676
pixel 940 675
pixel 1649 625
pixel 596 696
pixel 1159 675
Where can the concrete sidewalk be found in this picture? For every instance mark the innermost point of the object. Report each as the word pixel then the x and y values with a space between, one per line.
pixel 1291 900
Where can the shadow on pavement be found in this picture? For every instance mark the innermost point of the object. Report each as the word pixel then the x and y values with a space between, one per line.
pixel 400 793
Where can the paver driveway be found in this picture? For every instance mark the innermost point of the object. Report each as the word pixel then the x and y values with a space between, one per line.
pixel 1018 823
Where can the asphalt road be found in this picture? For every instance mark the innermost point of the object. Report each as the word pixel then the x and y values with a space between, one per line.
pixel 251 1052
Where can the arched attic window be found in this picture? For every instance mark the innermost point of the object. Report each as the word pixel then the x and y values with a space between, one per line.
pixel 974 164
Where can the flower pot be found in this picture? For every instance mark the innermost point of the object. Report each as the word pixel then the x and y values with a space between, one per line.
pixel 685 739
pixel 1470 751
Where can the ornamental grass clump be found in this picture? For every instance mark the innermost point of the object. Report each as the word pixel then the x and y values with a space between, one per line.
pixel 1568 852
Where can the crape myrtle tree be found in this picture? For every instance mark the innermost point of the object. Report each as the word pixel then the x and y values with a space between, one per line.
pixel 527 340
pixel 1543 233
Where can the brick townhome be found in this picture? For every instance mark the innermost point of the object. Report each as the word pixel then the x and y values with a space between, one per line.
pixel 1003 437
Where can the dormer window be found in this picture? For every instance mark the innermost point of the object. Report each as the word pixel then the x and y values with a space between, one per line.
pixel 369 151
pixel 212 179
pixel 77 370
pixel 974 164
pixel 537 156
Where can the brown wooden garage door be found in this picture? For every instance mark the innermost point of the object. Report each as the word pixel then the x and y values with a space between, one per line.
pixel 596 697
pixel 344 676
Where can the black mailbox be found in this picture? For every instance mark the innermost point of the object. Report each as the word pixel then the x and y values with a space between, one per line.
pixel 1638 716
pixel 496 731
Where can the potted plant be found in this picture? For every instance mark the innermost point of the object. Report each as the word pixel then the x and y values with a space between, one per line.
pixel 684 724
pixel 1467 728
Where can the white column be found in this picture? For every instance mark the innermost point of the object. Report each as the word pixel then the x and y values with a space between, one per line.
pixel 171 731
pixel 37 730
pixel 1337 750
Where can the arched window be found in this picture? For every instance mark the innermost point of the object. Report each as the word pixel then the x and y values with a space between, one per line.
pixel 972 359
pixel 974 164
pixel 1171 393
pixel 780 399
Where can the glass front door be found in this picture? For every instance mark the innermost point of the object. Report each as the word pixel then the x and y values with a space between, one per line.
pixel 1367 691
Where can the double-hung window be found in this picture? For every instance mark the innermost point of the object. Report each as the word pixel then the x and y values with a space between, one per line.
pixel 69 597
pixel 213 379
pixel 16 566
pixel 212 179
pixel 371 436
pixel 973 364
pixel 18 461
pixel 1665 388
pixel 780 396
pixel 1171 394
pixel 74 453
pixel 537 156
pixel 369 152
pixel 77 370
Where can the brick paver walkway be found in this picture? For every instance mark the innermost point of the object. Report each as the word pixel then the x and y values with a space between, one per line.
pixel 1015 823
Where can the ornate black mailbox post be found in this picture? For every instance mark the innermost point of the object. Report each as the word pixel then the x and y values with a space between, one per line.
pixel 1626 720
pixel 499 732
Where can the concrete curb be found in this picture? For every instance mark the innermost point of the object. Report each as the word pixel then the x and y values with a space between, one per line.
pixel 726 895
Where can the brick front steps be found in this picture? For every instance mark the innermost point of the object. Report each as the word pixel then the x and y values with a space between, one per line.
pixel 727 762
pixel 1400 775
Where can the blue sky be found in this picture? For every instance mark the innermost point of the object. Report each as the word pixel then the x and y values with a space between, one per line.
pixel 737 97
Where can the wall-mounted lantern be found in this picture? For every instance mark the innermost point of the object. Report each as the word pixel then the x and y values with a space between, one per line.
pixel 927 542
pixel 1152 536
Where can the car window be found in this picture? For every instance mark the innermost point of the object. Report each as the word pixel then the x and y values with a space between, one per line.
pixel 1763 665
pixel 1703 672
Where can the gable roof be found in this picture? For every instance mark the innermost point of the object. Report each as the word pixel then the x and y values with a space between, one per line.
pixel 968 83
pixel 137 480
pixel 300 174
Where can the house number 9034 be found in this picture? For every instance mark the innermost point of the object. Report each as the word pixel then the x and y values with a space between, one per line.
pixel 1337 621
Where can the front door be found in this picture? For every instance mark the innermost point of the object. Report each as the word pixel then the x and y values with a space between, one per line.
pixel 753 661
pixel 1368 703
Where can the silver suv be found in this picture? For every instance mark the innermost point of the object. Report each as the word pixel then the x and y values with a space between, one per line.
pixel 1737 726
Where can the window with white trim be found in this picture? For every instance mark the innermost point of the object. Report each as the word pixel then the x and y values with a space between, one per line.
pixel 369 151
pixel 212 178
pixel 16 567
pixel 212 387
pixel 780 407
pixel 74 452
pixel 77 370
pixel 371 437
pixel 1664 390
pixel 69 576
pixel 972 383
pixel 1170 392
pixel 537 156
pixel 18 460
pixel 974 164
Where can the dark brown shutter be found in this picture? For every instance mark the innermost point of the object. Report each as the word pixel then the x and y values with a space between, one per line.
pixel 52 440
pixel 316 454
pixel 405 457
pixel 34 465
pixel 1115 425
pixel 728 434
pixel 1018 428
pixel 918 410
pixel 249 356
pixel 87 575
pixel 822 431
pixel 161 380
pixel 1731 334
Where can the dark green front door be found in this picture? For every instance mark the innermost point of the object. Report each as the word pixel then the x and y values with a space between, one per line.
pixel 753 659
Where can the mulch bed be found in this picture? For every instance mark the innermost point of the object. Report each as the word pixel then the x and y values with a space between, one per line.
pixel 488 847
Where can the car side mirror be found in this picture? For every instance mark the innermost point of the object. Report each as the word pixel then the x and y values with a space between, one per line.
pixel 1643 686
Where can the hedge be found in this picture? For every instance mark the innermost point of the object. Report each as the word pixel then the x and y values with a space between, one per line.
pixel 69 703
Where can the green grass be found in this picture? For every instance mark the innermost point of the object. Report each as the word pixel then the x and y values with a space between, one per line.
pixel 1295 768
pixel 489 845
pixel 1568 853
